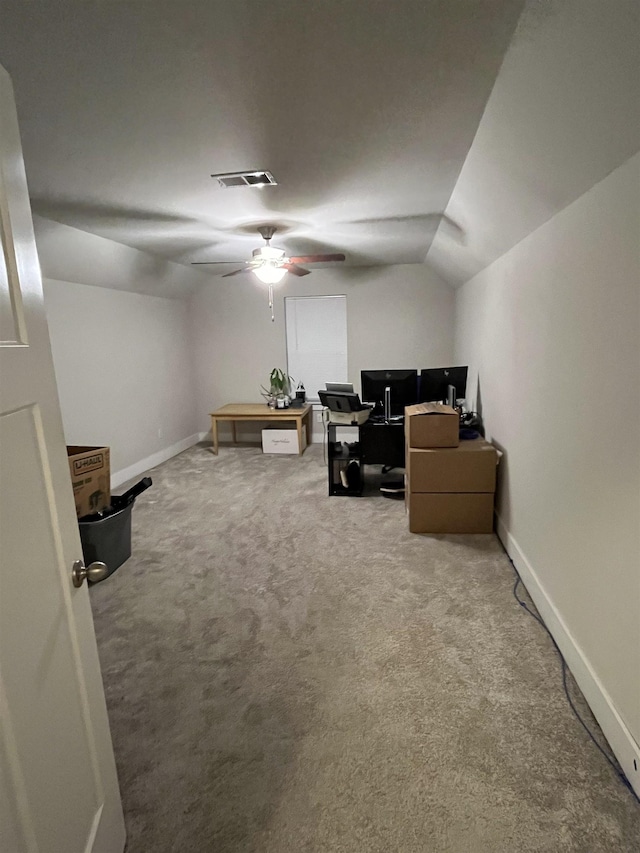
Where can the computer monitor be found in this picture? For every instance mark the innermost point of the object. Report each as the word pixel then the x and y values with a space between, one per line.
pixel 340 386
pixel 435 382
pixel 403 385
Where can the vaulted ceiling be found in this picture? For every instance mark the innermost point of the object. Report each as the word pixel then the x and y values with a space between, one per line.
pixel 365 112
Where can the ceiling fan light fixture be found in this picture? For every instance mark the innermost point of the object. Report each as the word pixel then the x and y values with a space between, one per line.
pixel 268 253
pixel 270 272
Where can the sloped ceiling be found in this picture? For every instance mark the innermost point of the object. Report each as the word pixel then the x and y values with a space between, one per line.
pixel 564 113
pixel 371 115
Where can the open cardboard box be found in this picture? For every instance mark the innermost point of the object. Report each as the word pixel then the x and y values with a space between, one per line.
pixel 431 425
pixel 90 478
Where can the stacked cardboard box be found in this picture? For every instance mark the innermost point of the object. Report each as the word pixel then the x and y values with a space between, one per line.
pixel 449 485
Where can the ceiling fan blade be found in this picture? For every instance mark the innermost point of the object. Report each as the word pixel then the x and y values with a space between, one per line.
pixel 294 269
pixel 316 259
pixel 236 272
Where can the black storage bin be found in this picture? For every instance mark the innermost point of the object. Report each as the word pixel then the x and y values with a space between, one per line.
pixel 108 539
pixel 106 536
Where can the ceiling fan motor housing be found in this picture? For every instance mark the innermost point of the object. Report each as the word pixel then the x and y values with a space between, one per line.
pixel 267 231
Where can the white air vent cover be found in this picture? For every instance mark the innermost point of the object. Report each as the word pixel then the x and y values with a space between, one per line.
pixel 246 179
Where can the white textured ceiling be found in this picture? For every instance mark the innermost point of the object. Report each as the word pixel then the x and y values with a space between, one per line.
pixel 385 123
pixel 364 111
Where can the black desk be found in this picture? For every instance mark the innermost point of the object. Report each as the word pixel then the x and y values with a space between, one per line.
pixel 373 443
pixel 382 443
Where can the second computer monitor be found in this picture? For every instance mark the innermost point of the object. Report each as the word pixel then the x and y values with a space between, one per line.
pixel 435 382
pixel 403 385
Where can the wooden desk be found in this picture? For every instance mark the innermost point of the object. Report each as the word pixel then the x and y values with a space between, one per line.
pixel 234 412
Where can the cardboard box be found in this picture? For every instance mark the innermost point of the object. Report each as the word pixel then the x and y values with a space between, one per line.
pixel 431 425
pixel 470 467
pixel 450 512
pixel 282 440
pixel 90 477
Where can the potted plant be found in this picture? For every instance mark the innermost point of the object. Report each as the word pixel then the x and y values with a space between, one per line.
pixel 279 394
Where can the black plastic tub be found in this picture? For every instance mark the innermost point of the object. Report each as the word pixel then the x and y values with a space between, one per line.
pixel 107 539
pixel 106 536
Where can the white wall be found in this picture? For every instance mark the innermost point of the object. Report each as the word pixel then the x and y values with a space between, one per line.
pixel 552 332
pixel 397 317
pixel 121 344
pixel 124 372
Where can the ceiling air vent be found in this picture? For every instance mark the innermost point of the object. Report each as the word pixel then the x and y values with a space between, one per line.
pixel 246 179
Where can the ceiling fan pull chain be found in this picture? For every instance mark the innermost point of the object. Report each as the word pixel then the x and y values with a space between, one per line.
pixel 273 319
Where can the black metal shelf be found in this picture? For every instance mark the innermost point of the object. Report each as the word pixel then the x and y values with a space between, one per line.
pixel 374 443
pixel 339 460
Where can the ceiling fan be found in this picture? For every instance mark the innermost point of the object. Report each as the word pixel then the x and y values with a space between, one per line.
pixel 270 265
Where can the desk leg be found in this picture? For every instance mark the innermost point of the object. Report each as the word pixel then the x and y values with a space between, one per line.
pixel 233 432
pixel 308 424
pixel 214 434
pixel 299 428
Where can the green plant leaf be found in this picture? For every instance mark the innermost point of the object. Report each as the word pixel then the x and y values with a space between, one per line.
pixel 280 382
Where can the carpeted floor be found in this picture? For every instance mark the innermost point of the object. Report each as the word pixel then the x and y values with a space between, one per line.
pixel 288 672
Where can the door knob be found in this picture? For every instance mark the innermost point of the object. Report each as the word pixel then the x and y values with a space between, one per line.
pixel 94 572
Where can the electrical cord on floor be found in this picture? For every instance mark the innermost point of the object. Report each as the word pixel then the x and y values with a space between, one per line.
pixel 612 761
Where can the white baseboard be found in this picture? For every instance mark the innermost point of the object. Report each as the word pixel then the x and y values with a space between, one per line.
pixel 623 744
pixel 120 477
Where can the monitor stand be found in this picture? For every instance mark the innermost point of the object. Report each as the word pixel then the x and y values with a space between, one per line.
pixel 387 404
pixel 388 417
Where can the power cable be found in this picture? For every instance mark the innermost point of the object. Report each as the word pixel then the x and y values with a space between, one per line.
pixel 612 761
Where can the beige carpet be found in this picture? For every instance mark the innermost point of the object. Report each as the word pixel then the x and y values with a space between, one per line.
pixel 289 672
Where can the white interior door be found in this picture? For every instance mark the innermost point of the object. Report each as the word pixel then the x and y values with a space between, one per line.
pixel 58 784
